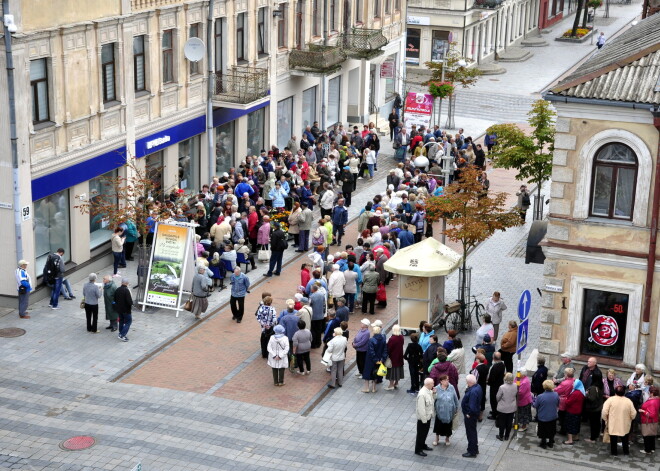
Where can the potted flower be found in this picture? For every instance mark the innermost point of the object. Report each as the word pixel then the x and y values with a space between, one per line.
pixel 441 89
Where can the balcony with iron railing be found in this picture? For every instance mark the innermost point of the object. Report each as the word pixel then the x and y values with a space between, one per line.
pixel 141 5
pixel 317 59
pixel 362 43
pixel 241 87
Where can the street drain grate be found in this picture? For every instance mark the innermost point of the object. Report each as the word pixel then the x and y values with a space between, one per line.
pixel 11 332
pixel 81 442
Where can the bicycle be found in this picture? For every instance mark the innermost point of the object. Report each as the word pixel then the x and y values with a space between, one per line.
pixel 479 311
pixel 455 320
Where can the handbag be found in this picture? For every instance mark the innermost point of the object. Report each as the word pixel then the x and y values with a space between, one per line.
pixel 263 255
pixel 381 293
pixel 388 363
pixel 188 306
pixel 606 435
pixel 382 370
pixel 82 303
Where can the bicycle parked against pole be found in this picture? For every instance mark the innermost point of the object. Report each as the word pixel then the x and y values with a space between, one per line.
pixel 458 315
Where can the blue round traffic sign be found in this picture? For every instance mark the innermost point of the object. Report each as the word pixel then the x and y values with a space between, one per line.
pixel 524 305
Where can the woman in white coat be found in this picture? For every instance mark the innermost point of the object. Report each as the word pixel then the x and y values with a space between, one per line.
pixel 278 354
pixel 335 356
pixel 336 283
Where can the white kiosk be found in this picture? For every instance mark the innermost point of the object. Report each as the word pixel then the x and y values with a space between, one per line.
pixel 422 268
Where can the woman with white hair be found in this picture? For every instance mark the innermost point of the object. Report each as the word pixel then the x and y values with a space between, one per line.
pixel 91 296
pixel 278 354
pixel 336 283
pixel 637 377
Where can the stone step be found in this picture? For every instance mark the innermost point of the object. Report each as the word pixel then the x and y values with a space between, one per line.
pixel 514 55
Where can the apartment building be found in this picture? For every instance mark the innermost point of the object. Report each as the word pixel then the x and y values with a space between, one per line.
pixel 97 81
pixel 480 28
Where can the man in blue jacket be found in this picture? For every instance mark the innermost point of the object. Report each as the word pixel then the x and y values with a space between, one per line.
pixel 339 221
pixel 239 288
pixel 406 237
pixel 471 407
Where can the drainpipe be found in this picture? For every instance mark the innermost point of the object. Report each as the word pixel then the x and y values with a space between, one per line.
pixel 13 136
pixel 650 267
pixel 210 137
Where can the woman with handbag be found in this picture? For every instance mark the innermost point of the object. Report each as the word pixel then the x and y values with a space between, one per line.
pixel 376 355
pixel 278 354
pixel 263 239
pixel 394 361
pixel 91 296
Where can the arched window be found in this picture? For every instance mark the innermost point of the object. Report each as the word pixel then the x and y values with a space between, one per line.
pixel 614 180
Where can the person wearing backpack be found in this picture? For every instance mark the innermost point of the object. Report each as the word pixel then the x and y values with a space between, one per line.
pixel 24 286
pixel 524 202
pixel 53 276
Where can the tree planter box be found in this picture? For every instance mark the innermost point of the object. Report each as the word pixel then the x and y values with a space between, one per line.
pixel 576 40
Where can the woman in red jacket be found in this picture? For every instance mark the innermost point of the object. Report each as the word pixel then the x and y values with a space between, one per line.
pixel 574 411
pixel 649 414
pixel 395 355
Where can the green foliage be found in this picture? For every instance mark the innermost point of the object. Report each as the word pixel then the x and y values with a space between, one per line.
pixel 454 73
pixel 530 154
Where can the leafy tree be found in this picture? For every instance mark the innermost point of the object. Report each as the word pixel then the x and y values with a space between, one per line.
pixel 530 154
pixel 472 215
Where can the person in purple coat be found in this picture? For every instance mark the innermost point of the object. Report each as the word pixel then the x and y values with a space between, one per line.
pixel 360 343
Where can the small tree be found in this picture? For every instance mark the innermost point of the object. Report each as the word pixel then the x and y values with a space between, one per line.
pixel 471 214
pixel 530 154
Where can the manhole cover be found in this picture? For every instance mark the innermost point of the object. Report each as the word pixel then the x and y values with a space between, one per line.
pixel 10 332
pixel 80 442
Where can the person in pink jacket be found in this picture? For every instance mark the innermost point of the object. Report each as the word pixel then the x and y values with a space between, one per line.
pixel 650 414
pixel 564 390
pixel 525 400
pixel 263 235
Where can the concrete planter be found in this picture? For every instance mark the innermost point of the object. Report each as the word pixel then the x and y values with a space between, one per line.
pixel 576 40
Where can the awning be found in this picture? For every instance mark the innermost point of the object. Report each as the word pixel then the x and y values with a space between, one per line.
pixel 426 258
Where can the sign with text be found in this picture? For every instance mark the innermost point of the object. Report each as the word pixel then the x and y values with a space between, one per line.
pixel 167 260
pixel 418 109
pixel 387 69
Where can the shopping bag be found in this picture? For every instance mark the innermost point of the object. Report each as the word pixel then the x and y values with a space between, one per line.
pixel 382 370
pixel 263 255
pixel 381 294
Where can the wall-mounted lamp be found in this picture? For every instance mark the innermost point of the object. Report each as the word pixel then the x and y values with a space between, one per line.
pixel 9 23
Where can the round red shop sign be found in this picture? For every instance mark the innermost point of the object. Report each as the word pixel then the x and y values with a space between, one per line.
pixel 604 331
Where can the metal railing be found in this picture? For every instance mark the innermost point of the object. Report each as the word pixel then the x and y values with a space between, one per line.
pixel 362 43
pixel 139 5
pixel 317 59
pixel 241 84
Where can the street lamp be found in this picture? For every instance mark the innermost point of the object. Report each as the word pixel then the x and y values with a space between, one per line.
pixel 446 171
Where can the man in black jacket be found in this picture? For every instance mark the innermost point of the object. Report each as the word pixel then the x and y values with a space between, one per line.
pixel 495 380
pixel 123 305
pixel 430 354
pixel 278 245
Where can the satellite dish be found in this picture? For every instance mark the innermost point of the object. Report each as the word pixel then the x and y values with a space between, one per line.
pixel 194 49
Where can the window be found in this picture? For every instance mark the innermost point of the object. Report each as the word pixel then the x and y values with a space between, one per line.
pixel 309 107
pixel 255 134
pixel 261 31
pixel 281 27
pixel 224 147
pixel 412 45
pixel 397 5
pixel 101 191
pixel 387 7
pixel 195 32
pixel 439 45
pixel 377 8
pixel 358 11
pixel 315 18
pixel 284 121
pixel 299 26
pixel 219 46
pixel 189 164
pixel 614 179
pixel 39 86
pixel 168 56
pixel 604 322
pixel 334 100
pixel 333 15
pixel 388 72
pixel 154 172
pixel 139 63
pixel 108 72
pixel 241 49
pixel 51 227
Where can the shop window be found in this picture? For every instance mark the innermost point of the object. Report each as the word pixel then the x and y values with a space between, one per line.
pixel 224 147
pixel 255 136
pixel 108 72
pixel 412 45
pixel 334 100
pixel 604 322
pixel 168 56
pixel 101 191
pixel 439 45
pixel 614 179
pixel 139 62
pixel 189 164
pixel 154 172
pixel 388 72
pixel 284 121
pixel 51 227
pixel 195 32
pixel 308 107
pixel 39 88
